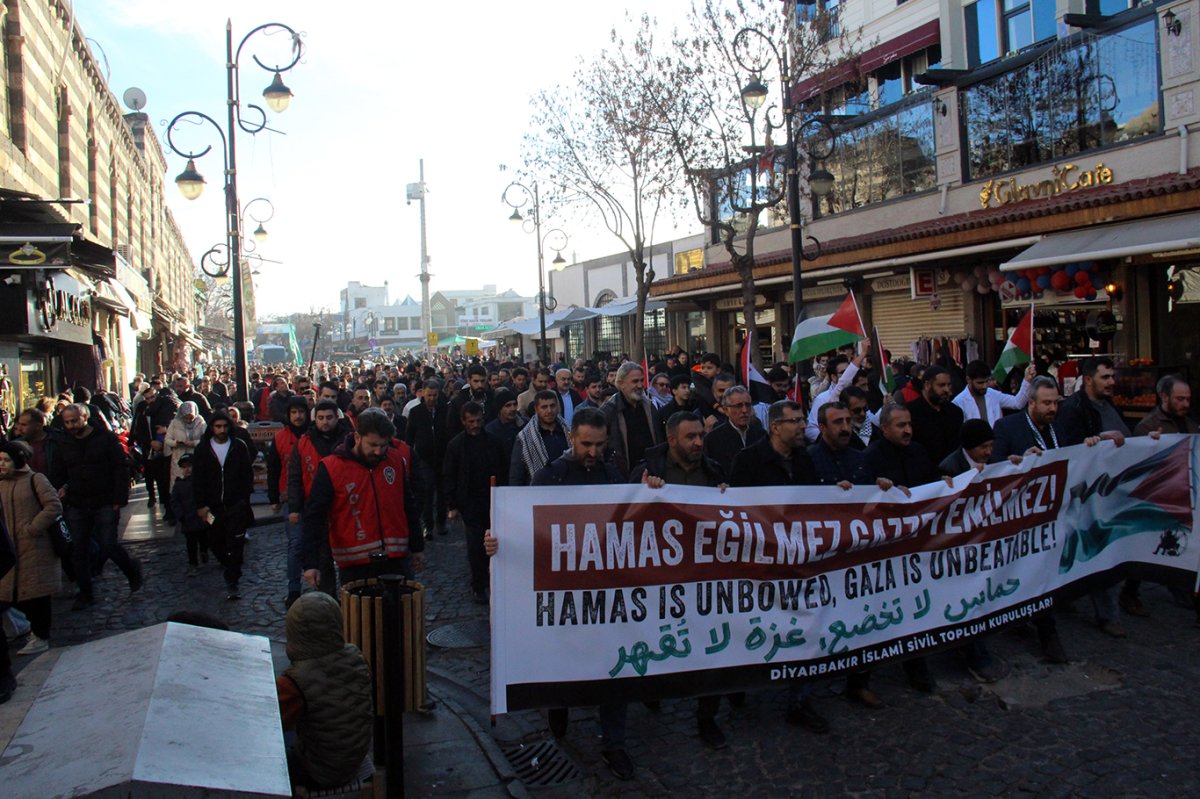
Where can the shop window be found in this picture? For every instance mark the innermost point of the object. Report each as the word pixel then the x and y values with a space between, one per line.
pixel 608 335
pixel 34 380
pixel 574 334
pixel 697 332
pixel 689 261
pixel 1074 98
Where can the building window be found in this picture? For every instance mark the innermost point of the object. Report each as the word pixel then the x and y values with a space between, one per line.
pixel 64 142
pixel 689 261
pixel 14 72
pixel 697 333
pixel 1093 93
pixel 574 334
pixel 402 323
pixel 604 298
pixel 92 175
pixel 997 27
pixel 360 302
pixel 654 334
pixel 608 336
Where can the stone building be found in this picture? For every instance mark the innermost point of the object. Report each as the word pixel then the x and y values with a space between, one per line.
pixel 96 281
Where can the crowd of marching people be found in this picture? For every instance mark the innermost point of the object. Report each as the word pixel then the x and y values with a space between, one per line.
pixel 369 464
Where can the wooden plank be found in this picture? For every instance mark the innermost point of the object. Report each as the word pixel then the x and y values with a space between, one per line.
pixel 377 635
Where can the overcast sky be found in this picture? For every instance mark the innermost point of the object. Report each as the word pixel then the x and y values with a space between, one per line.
pixel 381 86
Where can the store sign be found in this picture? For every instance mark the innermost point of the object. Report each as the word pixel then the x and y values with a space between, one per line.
pixel 33 253
pixel 1066 178
pixel 923 282
pixel 61 306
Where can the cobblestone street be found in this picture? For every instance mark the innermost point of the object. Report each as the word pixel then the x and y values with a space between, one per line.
pixel 1117 722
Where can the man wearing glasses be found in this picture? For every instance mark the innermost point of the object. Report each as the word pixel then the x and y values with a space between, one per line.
pixel 740 428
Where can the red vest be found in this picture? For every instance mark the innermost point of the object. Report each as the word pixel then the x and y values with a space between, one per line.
pixel 285 442
pixel 264 405
pixel 368 513
pixel 310 459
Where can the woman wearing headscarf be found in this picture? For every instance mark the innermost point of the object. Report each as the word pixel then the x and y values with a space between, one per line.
pixel 30 506
pixel 183 436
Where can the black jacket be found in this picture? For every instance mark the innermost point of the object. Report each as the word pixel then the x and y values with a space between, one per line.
pixel 470 464
pixel 183 505
pixel 222 488
pixel 761 465
pixel 94 469
pixel 426 433
pixel 937 431
pixel 566 471
pixel 506 434
pixel 454 412
pixel 1014 436
pixel 905 466
pixel 954 464
pixel 725 442
pixel 324 444
pixel 656 464
pixel 1077 419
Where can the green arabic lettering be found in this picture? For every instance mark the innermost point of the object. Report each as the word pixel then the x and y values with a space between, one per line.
pixel 922 610
pixel 718 646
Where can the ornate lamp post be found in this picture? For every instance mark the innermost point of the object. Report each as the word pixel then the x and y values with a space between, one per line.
pixel 555 239
pixel 191 183
pixel 754 95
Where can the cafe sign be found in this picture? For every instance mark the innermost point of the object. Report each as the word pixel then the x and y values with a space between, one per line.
pixel 1066 178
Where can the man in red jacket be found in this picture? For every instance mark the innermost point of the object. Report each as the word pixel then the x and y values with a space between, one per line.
pixel 278 460
pixel 362 503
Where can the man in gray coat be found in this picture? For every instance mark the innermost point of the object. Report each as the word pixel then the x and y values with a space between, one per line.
pixel 633 424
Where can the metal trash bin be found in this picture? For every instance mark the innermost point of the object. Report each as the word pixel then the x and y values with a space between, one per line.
pixel 362 623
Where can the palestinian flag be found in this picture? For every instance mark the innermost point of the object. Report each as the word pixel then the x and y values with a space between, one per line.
pixel 887 380
pixel 1018 351
pixel 760 389
pixel 824 333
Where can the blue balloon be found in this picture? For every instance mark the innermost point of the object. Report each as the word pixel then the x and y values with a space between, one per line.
pixel 1091 296
pixel 1043 281
pixel 1023 285
pixel 1072 269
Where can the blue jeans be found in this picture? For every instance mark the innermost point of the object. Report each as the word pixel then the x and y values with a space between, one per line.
pixel 295 538
pixel 99 524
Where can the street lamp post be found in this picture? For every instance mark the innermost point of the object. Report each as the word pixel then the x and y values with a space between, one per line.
pixel 820 181
pixel 555 239
pixel 191 183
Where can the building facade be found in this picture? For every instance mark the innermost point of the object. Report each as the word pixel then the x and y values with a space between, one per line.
pixel 96 280
pixel 991 156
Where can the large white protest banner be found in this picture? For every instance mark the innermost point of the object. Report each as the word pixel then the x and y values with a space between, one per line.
pixel 625 592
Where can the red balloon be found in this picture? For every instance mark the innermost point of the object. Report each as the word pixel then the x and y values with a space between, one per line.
pixel 1060 281
pixel 1081 292
pixel 1082 278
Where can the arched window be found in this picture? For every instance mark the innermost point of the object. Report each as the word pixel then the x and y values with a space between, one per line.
pixel 604 298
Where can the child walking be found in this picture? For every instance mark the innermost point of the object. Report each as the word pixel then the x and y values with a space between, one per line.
pixel 183 505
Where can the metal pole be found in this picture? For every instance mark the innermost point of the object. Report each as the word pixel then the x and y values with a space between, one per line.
pixel 312 360
pixel 241 373
pixel 426 311
pixel 393 674
pixel 537 226
pixel 795 220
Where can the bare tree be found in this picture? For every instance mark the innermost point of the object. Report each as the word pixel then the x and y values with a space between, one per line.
pixel 735 178
pixel 218 304
pixel 595 145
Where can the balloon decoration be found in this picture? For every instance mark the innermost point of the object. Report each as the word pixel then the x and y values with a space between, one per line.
pixel 1080 280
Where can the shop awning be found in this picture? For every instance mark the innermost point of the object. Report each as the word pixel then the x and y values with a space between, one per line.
pixel 113 295
pixel 627 306
pixel 1161 234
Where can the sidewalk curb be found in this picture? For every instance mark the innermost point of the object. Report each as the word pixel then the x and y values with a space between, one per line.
pixel 504 770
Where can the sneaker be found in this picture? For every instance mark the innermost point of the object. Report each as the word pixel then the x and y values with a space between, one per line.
pixel 558 721
pixel 290 599
pixel 1112 630
pixel 36 646
pixel 865 697
pixel 711 734
pixel 137 579
pixel 83 602
pixel 231 592
pixel 1052 650
pixel 1132 604
pixel 993 672
pixel 618 763
pixel 8 684
pixel 805 715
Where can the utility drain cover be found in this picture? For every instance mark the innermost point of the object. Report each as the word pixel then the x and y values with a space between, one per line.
pixel 463 635
pixel 541 764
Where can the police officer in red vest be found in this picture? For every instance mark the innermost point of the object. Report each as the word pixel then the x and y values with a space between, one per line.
pixel 362 503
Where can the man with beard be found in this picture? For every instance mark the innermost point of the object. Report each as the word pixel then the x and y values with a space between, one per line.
pixel 525 400
pixel 1171 414
pixel 185 393
pixel 863 423
pixel 780 459
pixel 363 505
pixel 680 460
pixel 360 400
pixel 223 478
pixel 473 460
pixel 936 421
pixel 739 430
pixel 978 400
pixel 279 459
pixel 567 398
pixel 507 424
pixel 843 371
pixel 593 391
pixel 476 390
pixel 633 424
pixel 91 473
pixel 542 440
pixel 327 430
